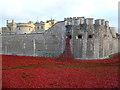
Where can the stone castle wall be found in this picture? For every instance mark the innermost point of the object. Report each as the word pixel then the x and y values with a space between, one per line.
pixel 92 40
pixel 88 40
pixel 48 44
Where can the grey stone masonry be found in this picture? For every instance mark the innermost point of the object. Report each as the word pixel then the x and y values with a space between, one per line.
pixel 48 44
pixel 89 40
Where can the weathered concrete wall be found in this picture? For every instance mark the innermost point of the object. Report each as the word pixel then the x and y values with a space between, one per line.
pixel 48 44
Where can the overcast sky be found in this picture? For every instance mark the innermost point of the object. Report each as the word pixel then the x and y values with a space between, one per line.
pixel 29 10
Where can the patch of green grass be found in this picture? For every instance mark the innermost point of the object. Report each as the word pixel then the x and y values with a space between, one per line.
pixel 83 67
pixel 109 65
pixel 55 67
pixel 32 66
pixel 111 56
pixel 14 68
pixel 96 67
pixel 73 66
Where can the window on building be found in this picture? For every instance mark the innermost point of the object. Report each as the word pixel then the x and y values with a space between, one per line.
pixel 79 37
pixel 41 27
pixel 29 29
pixel 19 28
pixel 9 28
pixel 105 35
pixel 37 27
pixel 90 36
pixel 70 36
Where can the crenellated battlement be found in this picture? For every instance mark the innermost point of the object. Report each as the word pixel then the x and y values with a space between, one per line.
pixel 83 20
pixel 74 20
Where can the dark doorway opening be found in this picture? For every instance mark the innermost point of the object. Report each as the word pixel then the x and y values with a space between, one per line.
pixel 90 36
pixel 80 37
pixel 70 36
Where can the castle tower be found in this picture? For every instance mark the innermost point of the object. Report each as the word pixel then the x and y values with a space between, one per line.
pixel 25 28
pixel 11 26
pixel 91 40
pixel 114 40
pixel 14 26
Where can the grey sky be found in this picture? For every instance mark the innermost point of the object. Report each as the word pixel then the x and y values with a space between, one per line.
pixel 29 10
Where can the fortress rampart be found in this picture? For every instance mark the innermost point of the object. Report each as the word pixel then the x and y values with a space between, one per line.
pixel 48 44
pixel 90 39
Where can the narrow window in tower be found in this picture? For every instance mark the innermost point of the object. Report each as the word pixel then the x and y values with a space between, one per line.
pixel 41 27
pixel 10 29
pixel 105 35
pixel 70 37
pixel 90 36
pixel 37 27
pixel 79 37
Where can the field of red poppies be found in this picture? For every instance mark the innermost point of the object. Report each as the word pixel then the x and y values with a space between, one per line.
pixel 38 72
pixel 62 72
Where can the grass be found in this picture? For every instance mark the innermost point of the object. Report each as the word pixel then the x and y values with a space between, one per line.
pixel 111 56
pixel 53 67
pixel 74 66
pixel 18 67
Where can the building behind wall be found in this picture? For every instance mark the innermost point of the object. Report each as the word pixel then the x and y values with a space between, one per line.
pixel 17 28
pixel 25 28
pixel 45 25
